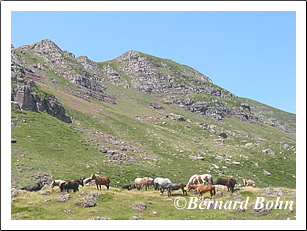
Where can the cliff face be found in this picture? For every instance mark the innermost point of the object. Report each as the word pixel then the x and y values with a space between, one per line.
pixel 25 95
pixel 177 84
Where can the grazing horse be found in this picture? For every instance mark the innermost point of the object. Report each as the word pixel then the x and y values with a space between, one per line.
pixel 159 182
pixel 229 182
pixel 193 179
pixel 206 178
pixel 56 183
pixel 87 181
pixel 200 189
pixel 33 187
pixel 173 186
pixel 101 181
pixel 127 187
pixel 140 182
pixel 249 183
pixel 147 181
pixel 137 183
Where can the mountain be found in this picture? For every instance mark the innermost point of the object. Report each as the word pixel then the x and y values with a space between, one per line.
pixel 138 115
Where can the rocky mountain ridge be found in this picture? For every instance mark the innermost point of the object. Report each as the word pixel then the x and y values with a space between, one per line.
pixel 176 83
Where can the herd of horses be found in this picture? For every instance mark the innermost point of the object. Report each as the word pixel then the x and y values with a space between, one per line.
pixel 198 183
pixel 74 184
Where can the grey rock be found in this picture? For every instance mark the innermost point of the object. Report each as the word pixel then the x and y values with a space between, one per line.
pixel 138 206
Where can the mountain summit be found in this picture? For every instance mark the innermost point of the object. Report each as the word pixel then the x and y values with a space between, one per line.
pixel 178 84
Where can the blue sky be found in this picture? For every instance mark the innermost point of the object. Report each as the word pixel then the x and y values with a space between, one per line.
pixel 250 53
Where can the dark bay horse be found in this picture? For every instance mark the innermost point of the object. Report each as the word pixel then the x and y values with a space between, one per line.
pixel 173 186
pixel 33 187
pixel 71 184
pixel 101 181
pixel 229 182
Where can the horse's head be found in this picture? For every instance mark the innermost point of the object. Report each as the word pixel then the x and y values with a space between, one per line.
pixel 80 181
pixel 93 177
pixel 52 184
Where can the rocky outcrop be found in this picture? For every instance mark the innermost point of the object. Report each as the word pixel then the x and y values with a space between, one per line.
pixel 154 76
pixel 80 71
pixel 24 98
pixel 25 95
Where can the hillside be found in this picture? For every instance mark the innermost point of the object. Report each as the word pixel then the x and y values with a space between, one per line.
pixel 135 116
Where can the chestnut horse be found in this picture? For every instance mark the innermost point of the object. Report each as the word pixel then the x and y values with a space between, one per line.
pixel 200 189
pixel 249 183
pixel 146 181
pixel 101 181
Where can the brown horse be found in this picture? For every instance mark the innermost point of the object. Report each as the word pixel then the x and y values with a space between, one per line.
pixel 146 181
pixel 200 189
pixel 249 183
pixel 229 182
pixel 101 181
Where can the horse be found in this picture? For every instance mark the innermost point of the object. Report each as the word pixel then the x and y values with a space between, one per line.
pixel 140 182
pixel 33 187
pixel 159 182
pixel 56 183
pixel 193 179
pixel 147 181
pixel 70 184
pixel 249 183
pixel 101 181
pixel 87 180
pixel 137 183
pixel 200 189
pixel 206 178
pixel 129 186
pixel 79 181
pixel 173 186
pixel 221 181
pixel 229 182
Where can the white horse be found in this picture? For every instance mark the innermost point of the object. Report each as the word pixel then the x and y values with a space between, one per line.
pixel 87 181
pixel 160 182
pixel 56 183
pixel 206 178
pixel 193 179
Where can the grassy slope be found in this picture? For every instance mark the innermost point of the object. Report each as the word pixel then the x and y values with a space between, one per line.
pixel 162 146
pixel 115 205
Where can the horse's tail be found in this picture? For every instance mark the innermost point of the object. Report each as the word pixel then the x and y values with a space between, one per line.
pixel 214 190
